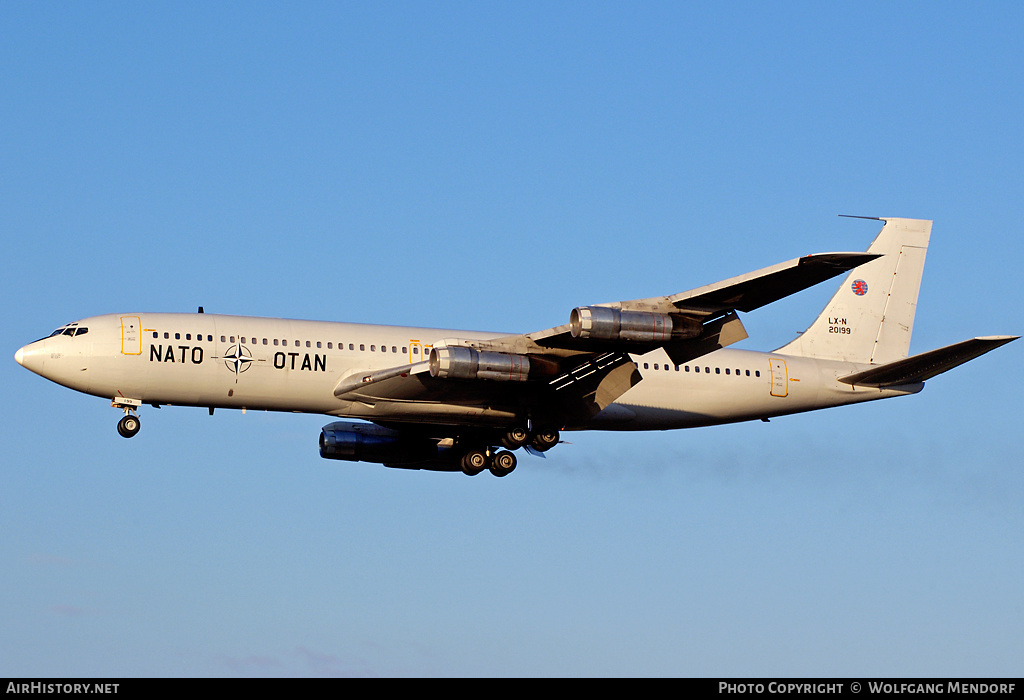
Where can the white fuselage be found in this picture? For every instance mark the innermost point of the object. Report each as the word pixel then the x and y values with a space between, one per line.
pixel 272 364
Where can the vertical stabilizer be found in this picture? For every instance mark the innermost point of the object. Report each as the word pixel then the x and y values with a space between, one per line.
pixel 871 316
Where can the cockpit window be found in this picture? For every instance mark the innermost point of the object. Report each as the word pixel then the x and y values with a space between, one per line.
pixel 72 329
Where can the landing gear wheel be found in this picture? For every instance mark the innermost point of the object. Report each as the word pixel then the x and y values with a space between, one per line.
pixel 128 426
pixel 515 438
pixel 503 463
pixel 474 462
pixel 545 440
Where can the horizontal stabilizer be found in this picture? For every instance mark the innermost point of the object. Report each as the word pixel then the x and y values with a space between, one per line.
pixel 928 364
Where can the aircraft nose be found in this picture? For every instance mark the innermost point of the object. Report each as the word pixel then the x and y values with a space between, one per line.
pixel 31 357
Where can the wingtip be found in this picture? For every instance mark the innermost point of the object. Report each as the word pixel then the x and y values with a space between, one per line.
pixel 998 338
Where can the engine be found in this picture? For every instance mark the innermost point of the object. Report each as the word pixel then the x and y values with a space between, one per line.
pixel 365 442
pixel 605 323
pixel 466 363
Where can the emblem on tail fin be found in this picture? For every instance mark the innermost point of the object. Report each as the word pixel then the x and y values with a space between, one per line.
pixel 860 287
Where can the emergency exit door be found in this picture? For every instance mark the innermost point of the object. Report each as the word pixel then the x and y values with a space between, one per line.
pixel 131 335
pixel 780 377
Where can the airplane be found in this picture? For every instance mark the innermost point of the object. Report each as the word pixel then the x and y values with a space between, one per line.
pixel 452 400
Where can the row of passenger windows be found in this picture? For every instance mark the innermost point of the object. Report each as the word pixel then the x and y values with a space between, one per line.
pixel 707 370
pixel 283 342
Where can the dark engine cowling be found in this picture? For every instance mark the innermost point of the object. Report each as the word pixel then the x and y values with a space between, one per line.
pixel 366 442
pixel 466 363
pixel 605 323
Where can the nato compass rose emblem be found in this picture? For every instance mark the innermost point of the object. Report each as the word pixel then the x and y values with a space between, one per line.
pixel 860 287
pixel 237 359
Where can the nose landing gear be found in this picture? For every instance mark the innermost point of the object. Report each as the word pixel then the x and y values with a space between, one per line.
pixel 129 425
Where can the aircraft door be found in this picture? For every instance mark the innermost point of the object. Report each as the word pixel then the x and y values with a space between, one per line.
pixel 780 377
pixel 131 335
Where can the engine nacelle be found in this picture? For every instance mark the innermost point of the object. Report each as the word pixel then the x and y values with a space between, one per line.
pixel 366 442
pixel 606 323
pixel 466 363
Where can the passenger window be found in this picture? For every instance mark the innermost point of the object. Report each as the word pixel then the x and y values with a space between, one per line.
pixel 330 345
pixel 362 347
pixel 307 344
pixel 155 334
pixel 718 370
pixel 707 370
pixel 394 349
pixel 209 338
pixel 727 370
pixel 177 336
pixel 373 348
pixel 686 368
pixel 645 366
pixel 405 350
pixel 757 372
pixel 351 346
pixel 748 372
pixel 655 365
pixel 221 338
pixel 319 345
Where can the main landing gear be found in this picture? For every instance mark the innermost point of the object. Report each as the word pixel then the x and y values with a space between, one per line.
pixel 129 425
pixel 501 463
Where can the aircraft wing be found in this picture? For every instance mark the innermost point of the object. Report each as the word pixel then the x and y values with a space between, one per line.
pixel 573 371
pixel 712 308
pixel 918 368
pixel 586 387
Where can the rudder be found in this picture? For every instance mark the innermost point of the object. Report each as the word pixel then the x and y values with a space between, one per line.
pixel 871 317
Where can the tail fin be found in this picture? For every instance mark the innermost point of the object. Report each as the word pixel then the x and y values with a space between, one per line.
pixel 870 318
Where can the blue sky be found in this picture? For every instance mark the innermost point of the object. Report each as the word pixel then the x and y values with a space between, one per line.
pixel 491 166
